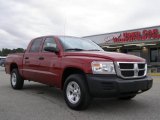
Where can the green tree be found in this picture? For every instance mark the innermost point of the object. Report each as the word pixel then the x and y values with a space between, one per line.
pixel 6 51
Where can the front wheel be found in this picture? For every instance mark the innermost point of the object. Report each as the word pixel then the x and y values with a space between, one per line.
pixel 76 92
pixel 16 79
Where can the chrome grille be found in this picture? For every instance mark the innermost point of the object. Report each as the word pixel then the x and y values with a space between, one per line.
pixel 129 70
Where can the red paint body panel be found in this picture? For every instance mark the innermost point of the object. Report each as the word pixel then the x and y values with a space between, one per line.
pixel 50 69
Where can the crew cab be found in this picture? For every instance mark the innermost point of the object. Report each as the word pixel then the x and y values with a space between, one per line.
pixel 80 68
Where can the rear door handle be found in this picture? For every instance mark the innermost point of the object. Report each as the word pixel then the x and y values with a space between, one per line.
pixel 41 58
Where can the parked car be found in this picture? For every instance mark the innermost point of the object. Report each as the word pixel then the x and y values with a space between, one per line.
pixel 2 61
pixel 80 68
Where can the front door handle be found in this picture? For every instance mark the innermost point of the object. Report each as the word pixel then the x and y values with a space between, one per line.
pixel 41 58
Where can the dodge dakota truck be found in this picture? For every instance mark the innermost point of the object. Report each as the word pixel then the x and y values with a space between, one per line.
pixel 80 68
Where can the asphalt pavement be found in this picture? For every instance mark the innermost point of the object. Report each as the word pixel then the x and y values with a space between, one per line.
pixel 40 102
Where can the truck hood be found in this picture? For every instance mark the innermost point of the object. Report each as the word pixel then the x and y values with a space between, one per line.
pixel 114 56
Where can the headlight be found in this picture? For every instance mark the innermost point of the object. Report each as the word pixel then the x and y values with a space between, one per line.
pixel 99 67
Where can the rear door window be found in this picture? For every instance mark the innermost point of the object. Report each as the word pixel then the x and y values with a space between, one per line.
pixel 36 45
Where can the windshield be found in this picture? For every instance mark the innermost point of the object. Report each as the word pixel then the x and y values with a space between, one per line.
pixel 79 44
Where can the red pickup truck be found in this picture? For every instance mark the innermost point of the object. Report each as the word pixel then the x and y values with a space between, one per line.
pixel 80 68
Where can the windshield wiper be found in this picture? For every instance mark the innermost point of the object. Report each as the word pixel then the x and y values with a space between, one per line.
pixel 74 49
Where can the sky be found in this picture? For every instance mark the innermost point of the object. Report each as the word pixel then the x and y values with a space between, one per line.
pixel 23 20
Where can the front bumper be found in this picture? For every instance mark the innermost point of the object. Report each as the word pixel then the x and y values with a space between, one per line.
pixel 113 86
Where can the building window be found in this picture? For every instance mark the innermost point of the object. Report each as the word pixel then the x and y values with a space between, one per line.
pixel 155 55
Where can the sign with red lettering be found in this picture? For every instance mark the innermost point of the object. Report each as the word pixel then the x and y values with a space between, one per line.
pixel 137 36
pixel 109 38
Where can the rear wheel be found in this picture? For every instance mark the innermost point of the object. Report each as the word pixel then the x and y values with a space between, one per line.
pixel 76 92
pixel 129 97
pixel 16 80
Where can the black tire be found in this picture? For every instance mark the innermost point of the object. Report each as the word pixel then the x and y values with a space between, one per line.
pixel 84 97
pixel 16 80
pixel 129 97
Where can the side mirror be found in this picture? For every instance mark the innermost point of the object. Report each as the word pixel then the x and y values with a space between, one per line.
pixel 51 49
